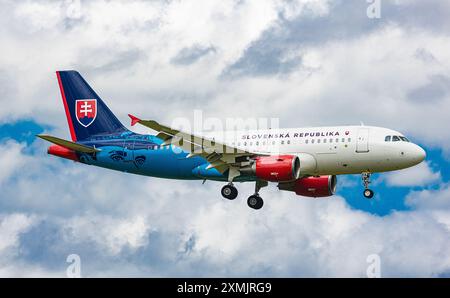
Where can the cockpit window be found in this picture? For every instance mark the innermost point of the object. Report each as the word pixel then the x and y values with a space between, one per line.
pixel 396 139
pixel 404 139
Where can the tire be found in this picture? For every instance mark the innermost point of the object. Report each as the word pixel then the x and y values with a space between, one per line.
pixel 229 192
pixel 368 193
pixel 255 202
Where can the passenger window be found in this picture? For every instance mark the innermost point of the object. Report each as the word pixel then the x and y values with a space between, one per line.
pixel 331 140
pixel 337 140
pixel 349 140
pixel 288 142
pixel 306 141
pixel 395 139
pixel 318 141
pixel 312 141
pixel 343 140
pixel 324 141
pixel 387 139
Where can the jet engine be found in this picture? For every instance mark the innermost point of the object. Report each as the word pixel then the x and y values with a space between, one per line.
pixel 275 168
pixel 322 186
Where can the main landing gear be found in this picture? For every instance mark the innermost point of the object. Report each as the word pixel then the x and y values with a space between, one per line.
pixel 229 192
pixel 254 201
pixel 368 193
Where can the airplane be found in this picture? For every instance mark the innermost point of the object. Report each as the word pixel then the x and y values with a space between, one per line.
pixel 305 161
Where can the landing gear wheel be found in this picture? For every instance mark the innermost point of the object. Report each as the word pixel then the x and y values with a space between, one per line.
pixel 229 192
pixel 368 193
pixel 255 202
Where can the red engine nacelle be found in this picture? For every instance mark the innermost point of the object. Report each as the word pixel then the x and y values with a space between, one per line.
pixel 323 186
pixel 277 168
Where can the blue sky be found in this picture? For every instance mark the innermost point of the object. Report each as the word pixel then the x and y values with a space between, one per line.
pixel 306 62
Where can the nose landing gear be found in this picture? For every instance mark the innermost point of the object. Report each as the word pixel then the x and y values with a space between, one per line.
pixel 368 193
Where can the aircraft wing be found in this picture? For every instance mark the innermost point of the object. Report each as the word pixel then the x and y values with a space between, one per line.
pixel 69 145
pixel 220 156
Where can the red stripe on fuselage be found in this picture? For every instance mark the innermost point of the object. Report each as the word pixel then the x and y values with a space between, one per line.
pixel 66 108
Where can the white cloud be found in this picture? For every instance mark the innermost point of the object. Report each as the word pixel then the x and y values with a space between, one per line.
pixel 40 16
pixel 11 226
pixel 292 9
pixel 11 159
pixel 437 199
pixel 420 175
pixel 24 270
pixel 110 234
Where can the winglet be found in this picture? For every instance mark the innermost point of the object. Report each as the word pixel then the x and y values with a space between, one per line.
pixel 134 119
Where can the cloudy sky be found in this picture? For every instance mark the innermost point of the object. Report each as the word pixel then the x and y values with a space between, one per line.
pixel 306 62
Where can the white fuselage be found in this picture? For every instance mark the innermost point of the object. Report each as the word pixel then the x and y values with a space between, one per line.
pixel 332 150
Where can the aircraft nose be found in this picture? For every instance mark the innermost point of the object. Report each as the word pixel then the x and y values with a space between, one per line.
pixel 418 154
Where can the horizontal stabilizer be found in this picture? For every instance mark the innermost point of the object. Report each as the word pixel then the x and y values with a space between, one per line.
pixel 68 144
